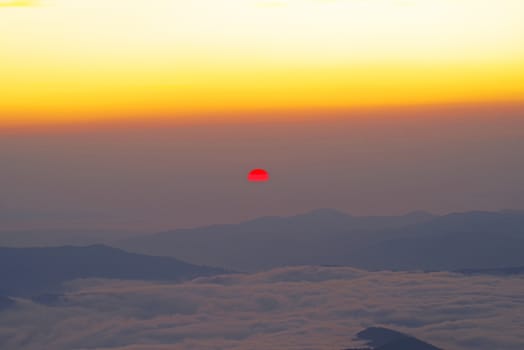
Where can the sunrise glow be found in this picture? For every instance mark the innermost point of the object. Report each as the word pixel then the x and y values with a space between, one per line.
pixel 78 60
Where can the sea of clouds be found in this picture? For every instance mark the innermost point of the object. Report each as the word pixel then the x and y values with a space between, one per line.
pixel 306 308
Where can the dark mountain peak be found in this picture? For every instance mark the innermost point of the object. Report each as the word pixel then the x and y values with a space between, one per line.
pixel 379 338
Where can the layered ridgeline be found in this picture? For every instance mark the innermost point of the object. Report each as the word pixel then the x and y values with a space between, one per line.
pixel 473 242
pixel 416 241
pixel 30 271
pixel 17 238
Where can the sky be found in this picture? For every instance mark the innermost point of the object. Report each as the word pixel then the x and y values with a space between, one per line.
pixel 66 61
pixel 161 177
pixel 149 115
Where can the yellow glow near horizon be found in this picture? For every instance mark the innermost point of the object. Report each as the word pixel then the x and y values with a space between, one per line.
pixel 82 59
pixel 16 3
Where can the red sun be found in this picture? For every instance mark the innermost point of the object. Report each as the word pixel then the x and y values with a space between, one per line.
pixel 258 175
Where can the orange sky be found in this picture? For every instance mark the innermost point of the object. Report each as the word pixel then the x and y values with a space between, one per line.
pixel 70 61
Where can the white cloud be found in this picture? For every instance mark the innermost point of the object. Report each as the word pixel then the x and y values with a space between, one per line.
pixel 290 308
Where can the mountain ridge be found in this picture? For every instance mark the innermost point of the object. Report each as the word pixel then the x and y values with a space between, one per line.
pixel 415 241
pixel 30 271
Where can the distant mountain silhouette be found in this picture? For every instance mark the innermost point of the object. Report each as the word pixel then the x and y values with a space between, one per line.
pixel 386 339
pixel 416 241
pixel 60 237
pixel 320 237
pixel 471 240
pixel 504 271
pixel 31 271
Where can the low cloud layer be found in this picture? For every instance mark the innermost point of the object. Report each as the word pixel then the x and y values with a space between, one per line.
pixel 315 308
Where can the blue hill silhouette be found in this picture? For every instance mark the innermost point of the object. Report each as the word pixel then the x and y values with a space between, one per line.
pixel 416 241
pixel 30 271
